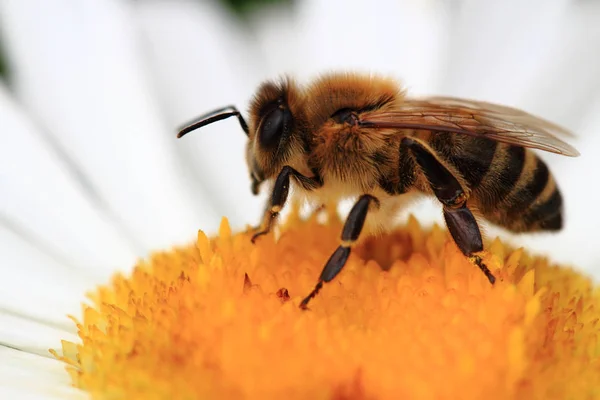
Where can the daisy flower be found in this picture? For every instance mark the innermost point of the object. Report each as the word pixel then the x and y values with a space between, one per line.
pixel 102 205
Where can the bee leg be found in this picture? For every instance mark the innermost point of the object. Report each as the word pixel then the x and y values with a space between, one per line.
pixel 352 228
pixel 280 194
pixel 448 190
pixel 467 236
pixel 266 215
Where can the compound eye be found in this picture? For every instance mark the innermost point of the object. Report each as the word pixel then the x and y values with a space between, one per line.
pixel 274 124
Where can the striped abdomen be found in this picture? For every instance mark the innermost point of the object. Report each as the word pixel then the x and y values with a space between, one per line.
pixel 511 186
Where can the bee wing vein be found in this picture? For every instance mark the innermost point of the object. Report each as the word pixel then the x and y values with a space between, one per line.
pixel 496 122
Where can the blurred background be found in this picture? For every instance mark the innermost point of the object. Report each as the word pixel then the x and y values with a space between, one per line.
pixel 92 91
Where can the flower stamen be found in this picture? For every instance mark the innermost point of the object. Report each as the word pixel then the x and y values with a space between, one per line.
pixel 408 317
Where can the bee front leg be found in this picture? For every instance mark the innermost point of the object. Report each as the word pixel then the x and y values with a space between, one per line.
pixel 448 190
pixel 280 194
pixel 352 228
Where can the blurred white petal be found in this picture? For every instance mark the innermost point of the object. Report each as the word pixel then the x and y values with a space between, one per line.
pixel 494 49
pixel 32 337
pixel 569 83
pixel 25 376
pixel 401 39
pixel 36 285
pixel 203 60
pixel 78 69
pixel 43 199
pixel 277 31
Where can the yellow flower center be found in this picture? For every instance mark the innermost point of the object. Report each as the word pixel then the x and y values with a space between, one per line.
pixel 219 319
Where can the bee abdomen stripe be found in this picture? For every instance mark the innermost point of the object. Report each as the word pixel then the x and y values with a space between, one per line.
pixel 475 169
pixel 472 158
pixel 508 178
pixel 554 223
pixel 546 210
pixel 526 195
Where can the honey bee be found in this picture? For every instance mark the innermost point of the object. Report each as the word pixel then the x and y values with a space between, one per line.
pixel 360 136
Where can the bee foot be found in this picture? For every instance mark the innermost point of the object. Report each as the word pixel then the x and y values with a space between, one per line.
pixel 256 235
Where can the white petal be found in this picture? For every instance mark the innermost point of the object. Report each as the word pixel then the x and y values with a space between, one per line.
pixel 278 34
pixel 44 199
pixel 32 337
pixel 569 81
pixel 203 60
pixel 401 38
pixel 495 48
pixel 77 67
pixel 35 285
pixel 26 376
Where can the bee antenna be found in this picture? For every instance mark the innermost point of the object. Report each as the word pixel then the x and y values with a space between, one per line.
pixel 214 116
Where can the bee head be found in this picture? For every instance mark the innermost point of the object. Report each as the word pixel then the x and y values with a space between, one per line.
pixel 276 130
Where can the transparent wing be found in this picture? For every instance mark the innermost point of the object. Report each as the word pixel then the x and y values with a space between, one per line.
pixel 475 118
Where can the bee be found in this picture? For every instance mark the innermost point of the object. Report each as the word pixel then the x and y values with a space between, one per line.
pixel 358 136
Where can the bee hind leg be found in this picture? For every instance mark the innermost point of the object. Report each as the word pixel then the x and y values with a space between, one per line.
pixel 460 220
pixel 350 233
pixel 467 236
